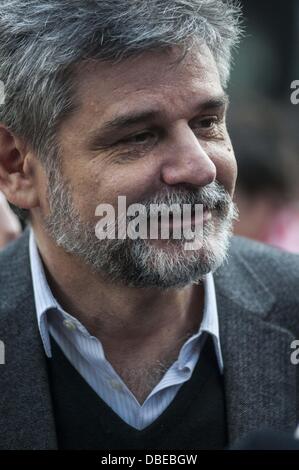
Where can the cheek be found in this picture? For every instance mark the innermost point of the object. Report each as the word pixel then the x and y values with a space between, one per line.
pixel 103 185
pixel 87 192
pixel 136 180
pixel 226 165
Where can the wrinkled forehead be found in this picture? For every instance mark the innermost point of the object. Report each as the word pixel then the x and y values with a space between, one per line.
pixel 152 76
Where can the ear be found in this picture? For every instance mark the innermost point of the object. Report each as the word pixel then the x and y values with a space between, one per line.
pixel 17 180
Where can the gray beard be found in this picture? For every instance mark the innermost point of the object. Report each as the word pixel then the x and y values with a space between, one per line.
pixel 139 263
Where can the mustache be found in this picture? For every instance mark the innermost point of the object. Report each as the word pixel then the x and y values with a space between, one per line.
pixel 212 197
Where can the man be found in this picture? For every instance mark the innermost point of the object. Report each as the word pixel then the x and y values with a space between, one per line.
pixel 132 343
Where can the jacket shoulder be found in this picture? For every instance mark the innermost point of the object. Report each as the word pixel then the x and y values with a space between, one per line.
pixel 277 267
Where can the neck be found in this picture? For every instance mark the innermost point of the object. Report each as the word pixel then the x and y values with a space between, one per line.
pixel 116 314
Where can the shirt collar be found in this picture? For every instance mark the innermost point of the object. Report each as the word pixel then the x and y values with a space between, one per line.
pixel 43 297
pixel 45 301
pixel 210 322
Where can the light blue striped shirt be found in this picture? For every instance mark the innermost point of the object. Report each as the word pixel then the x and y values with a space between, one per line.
pixel 86 354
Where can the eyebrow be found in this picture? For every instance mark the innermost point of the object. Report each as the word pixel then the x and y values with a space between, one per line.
pixel 130 119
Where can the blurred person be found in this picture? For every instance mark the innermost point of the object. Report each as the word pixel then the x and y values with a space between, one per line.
pixel 10 227
pixel 268 167
pixel 121 343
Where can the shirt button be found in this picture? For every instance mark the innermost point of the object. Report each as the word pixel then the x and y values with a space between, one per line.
pixel 70 325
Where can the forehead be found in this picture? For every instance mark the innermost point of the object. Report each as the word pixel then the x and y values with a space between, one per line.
pixel 152 79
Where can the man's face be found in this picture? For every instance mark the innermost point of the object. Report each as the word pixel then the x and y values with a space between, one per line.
pixel 151 131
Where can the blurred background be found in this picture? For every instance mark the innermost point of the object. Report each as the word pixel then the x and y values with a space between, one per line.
pixel 264 126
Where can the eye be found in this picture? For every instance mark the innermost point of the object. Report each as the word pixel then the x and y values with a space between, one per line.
pixel 141 138
pixel 209 122
pixel 210 127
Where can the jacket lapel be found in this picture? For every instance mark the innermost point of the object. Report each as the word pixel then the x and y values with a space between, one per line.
pixel 258 373
pixel 26 417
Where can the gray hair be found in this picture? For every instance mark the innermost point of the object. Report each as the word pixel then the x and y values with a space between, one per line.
pixel 42 40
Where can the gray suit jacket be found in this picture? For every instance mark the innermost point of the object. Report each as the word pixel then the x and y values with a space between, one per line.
pixel 258 302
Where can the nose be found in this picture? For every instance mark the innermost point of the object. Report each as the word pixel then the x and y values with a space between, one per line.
pixel 187 162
